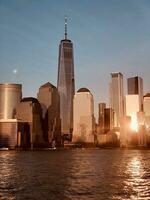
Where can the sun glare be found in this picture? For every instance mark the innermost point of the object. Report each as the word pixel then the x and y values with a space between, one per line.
pixel 134 125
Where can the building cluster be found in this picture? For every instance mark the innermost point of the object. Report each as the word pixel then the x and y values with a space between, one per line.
pixel 129 115
pixel 60 116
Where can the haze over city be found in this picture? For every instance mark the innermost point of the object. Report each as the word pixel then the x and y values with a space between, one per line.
pixel 108 36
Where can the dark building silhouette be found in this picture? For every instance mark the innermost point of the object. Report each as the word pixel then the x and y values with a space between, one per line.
pixel 108 119
pixel 101 116
pixel 66 85
pixel 8 133
pixel 135 86
pixel 49 99
pixel 29 112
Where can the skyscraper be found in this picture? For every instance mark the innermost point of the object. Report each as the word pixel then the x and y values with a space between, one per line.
pixel 66 84
pixel 117 97
pixel 108 119
pixel 147 110
pixel 83 116
pixel 101 118
pixel 135 86
pixel 29 110
pixel 10 97
pixel 49 99
pixel 132 108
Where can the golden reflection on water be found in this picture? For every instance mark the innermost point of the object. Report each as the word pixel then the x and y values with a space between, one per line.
pixel 7 173
pixel 136 182
pixel 135 168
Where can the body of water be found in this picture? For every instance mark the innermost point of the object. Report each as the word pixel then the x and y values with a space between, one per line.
pixel 78 174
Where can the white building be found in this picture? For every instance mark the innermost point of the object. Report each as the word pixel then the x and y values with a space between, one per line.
pixel 146 105
pixel 83 117
pixel 132 108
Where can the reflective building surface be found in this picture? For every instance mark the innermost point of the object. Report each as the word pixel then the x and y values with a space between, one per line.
pixel 66 84
pixel 117 97
pixel 83 117
pixel 10 96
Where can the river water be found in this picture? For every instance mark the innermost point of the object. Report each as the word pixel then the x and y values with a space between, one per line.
pixel 78 174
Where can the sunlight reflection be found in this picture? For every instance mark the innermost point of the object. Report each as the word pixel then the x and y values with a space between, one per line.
pixel 136 183
pixel 7 172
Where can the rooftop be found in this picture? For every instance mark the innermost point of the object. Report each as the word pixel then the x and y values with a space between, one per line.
pixel 26 99
pixel 83 90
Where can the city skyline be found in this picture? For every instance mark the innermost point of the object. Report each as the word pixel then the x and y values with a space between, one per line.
pixel 103 42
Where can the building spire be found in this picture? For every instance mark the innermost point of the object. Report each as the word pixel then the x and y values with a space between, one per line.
pixel 65 27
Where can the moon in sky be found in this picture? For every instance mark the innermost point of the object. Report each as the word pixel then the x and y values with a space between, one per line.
pixel 15 71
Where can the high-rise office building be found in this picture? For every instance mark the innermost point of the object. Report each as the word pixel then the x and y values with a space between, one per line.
pixel 135 86
pixel 10 97
pixel 146 106
pixel 101 116
pixel 66 85
pixel 49 99
pixel 83 116
pixel 117 97
pixel 29 111
pixel 108 119
pixel 132 108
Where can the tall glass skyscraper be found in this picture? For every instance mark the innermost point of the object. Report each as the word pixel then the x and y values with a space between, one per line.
pixel 135 86
pixel 66 84
pixel 117 97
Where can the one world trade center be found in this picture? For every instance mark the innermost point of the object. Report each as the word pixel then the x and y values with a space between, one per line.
pixel 66 85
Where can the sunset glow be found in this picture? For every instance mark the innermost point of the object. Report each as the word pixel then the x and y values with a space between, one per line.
pixel 134 124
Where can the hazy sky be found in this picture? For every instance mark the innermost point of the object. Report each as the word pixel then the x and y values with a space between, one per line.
pixel 108 36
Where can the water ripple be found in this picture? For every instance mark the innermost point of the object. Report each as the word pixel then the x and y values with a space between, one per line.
pixel 75 174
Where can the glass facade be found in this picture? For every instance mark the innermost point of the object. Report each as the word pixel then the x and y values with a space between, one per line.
pixel 66 86
pixel 117 97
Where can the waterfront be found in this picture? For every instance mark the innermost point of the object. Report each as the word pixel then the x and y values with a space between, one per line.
pixel 83 174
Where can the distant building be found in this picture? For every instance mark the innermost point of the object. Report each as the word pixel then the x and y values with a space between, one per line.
pixel 66 85
pixel 10 96
pixel 135 86
pixel 125 131
pixel 108 119
pixel 29 111
pixel 142 133
pixel 49 99
pixel 83 126
pixel 101 116
pixel 8 133
pixel 132 108
pixel 147 110
pixel 147 104
pixel 117 97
